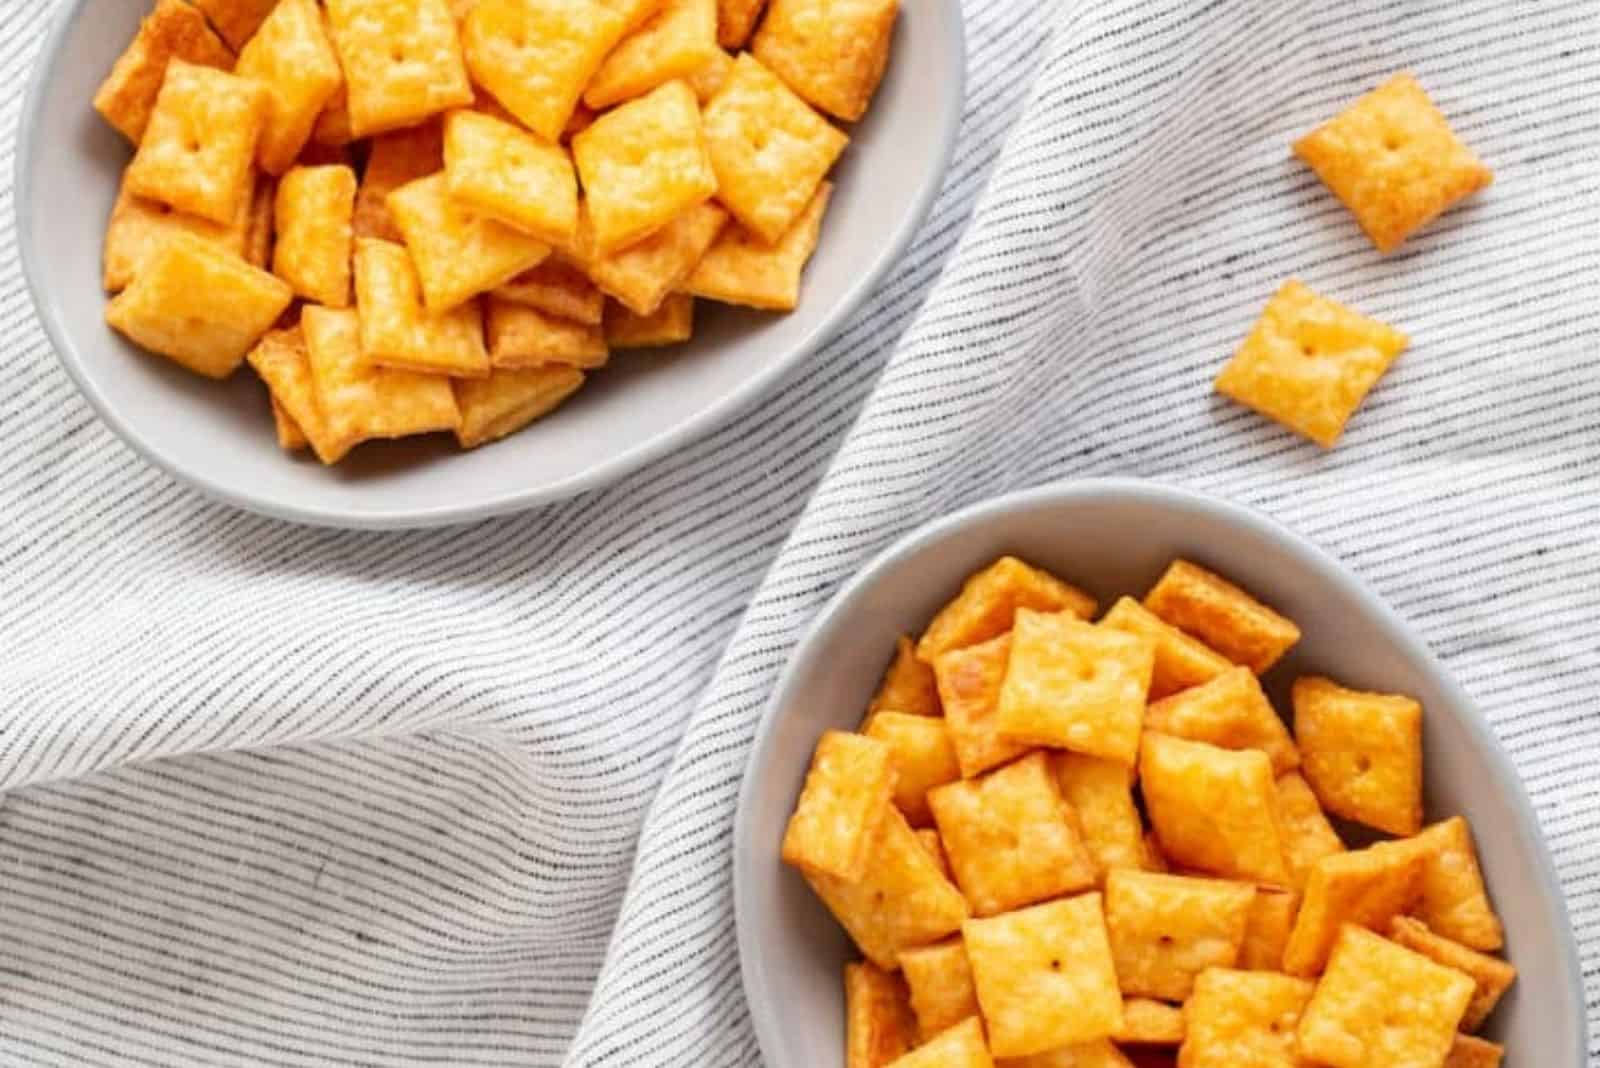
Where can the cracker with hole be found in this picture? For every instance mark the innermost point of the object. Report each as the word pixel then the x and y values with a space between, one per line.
pixel 504 173
pixel 283 362
pixel 1362 753
pixel 922 756
pixel 1213 810
pixel 1009 838
pixel 1366 887
pixel 1454 901
pixel 1167 929
pixel 393 160
pixel 642 275
pixel 1239 1018
pixel 1491 976
pixel 670 324
pixel 1045 976
pixel 402 61
pixel 139 227
pixel 172 30
pixel 236 20
pixel 1101 795
pixel 1074 685
pixel 900 901
pixel 1309 362
pixel 1307 834
pixel 878 1022
pixel 1393 160
pixel 199 305
pixel 520 336
pixel 1380 1003
pixel 969 681
pixel 962 1046
pixel 507 401
pixel 846 791
pixel 942 992
pixel 908 684
pixel 642 165
pixel 292 58
pixel 198 150
pixel 675 42
pixel 458 252
pixel 740 268
pixel 398 332
pixel 361 401
pixel 556 287
pixel 1181 662
pixel 832 52
pixel 1148 1022
pixel 312 215
pixel 1267 932
pixel 987 604
pixel 1230 711
pixel 536 56
pixel 769 150
pixel 1222 615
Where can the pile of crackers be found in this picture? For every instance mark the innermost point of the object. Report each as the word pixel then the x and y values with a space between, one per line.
pixel 414 216
pixel 1069 844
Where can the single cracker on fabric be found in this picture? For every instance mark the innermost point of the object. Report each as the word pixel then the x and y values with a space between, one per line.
pixel 282 361
pixel 961 1046
pixel 1213 810
pixel 942 992
pixel 740 268
pixel 292 58
pixel 645 273
pixel 922 755
pixel 1307 834
pixel 900 901
pixel 395 159
pixel 1230 711
pixel 642 165
pixel 402 61
pixel 1490 975
pixel 1222 615
pixel 1309 362
pixel 1380 1003
pixel 1074 685
pixel 908 684
pixel 138 227
pixel 1361 753
pixel 521 336
pixel 969 680
pixel 988 601
pixel 313 213
pixel 1181 663
pixel 172 30
pixel 709 78
pixel 1241 1018
pixel 1009 839
pixel 769 150
pixel 536 56
pixel 675 42
pixel 558 288
pixel 878 1023
pixel 236 20
pixel 1367 887
pixel 500 171
pixel 735 20
pixel 1100 792
pixel 846 791
pixel 1045 976
pixel 398 332
pixel 1148 1022
pixel 1167 929
pixel 199 148
pixel 670 324
pixel 1393 160
pixel 507 401
pixel 1454 901
pixel 832 52
pixel 1267 933
pixel 458 252
pixel 1469 1052
pixel 358 399
pixel 199 305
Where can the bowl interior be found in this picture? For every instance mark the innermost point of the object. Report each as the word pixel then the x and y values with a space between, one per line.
pixel 1115 538
pixel 219 436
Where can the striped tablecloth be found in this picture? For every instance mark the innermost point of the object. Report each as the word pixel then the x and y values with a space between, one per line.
pixel 279 796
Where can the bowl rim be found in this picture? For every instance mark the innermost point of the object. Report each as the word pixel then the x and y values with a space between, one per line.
pixel 859 586
pixel 720 411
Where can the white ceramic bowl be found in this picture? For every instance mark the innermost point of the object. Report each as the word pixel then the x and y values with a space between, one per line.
pixel 1115 537
pixel 218 437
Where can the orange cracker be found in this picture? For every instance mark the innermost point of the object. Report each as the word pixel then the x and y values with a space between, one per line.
pixel 908 685
pixel 1230 711
pixel 507 401
pixel 942 992
pixel 922 755
pixel 139 227
pixel 1307 834
pixel 236 20
pixel 458 252
pixel 511 176
pixel 670 324
pixel 281 359
pixel 1222 615
pixel 1271 919
pixel 1454 901
pixel 989 600
pixel 1239 1018
pixel 1167 929
pixel 402 61
pixel 961 1046
pixel 395 159
pixel 558 288
pixel 293 59
pixel 832 52
pixel 1100 793
pixel 1491 975
pixel 642 275
pixel 1367 887
pixel 740 268
pixel 398 332
pixel 521 336
pixel 199 147
pixel 844 796
pixel 878 1023
pixel 536 56
pixel 1362 753
pixel 676 42
pixel 360 400
pixel 312 216
pixel 969 682
pixel 1214 810
pixel 1181 661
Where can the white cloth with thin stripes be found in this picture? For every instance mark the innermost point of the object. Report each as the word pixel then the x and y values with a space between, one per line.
pixel 294 797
